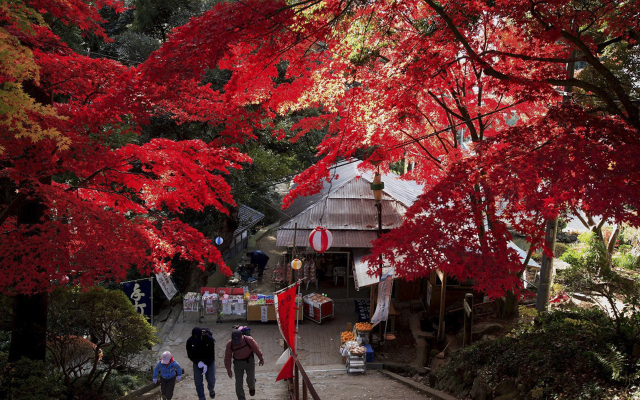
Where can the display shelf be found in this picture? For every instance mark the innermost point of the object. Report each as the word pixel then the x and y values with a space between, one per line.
pixel 356 363
pixel 190 303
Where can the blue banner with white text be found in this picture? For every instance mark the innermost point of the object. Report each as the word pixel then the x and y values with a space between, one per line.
pixel 139 292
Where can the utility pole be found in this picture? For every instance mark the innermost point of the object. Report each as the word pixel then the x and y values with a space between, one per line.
pixel 546 268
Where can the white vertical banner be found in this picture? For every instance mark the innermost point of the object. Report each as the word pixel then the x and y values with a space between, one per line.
pixel 384 298
pixel 165 282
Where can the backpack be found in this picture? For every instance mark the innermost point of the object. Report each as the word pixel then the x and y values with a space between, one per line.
pixel 206 332
pixel 246 331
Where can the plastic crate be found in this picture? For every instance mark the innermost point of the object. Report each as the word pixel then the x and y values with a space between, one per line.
pixel 369 354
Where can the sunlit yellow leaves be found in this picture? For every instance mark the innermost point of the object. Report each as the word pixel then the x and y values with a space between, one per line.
pixel 18 111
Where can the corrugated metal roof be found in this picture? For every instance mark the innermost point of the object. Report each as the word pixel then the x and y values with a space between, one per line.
pixel 349 210
pixel 349 214
pixel 247 217
pixel 346 239
pixel 404 191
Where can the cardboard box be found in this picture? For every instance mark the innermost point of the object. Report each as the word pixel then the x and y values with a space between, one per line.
pixel 254 313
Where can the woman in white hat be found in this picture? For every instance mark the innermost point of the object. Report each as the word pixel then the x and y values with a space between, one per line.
pixel 170 373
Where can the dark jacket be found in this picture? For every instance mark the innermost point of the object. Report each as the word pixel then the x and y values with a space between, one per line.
pixel 259 258
pixel 201 349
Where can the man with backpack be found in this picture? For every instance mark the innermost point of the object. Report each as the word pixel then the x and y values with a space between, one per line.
pixel 242 349
pixel 201 351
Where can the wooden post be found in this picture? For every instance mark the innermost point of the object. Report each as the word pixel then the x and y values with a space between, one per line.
pixel 443 290
pixel 304 390
pixel 293 252
pixel 468 319
pixel 297 379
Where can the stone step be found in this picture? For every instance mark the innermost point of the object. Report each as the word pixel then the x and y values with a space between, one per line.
pixel 331 382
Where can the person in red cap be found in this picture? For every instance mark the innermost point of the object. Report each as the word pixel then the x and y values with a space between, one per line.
pixel 242 348
pixel 170 373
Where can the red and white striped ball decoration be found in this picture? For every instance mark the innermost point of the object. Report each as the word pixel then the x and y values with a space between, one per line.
pixel 320 239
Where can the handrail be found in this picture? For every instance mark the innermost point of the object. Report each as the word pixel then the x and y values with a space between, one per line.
pixel 307 383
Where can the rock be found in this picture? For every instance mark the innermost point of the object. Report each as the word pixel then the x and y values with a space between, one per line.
pixel 486 329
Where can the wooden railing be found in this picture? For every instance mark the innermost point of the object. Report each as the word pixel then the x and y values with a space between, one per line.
pixel 294 384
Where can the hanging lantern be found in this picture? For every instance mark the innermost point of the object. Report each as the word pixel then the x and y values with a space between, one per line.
pixel 377 186
pixel 296 264
pixel 320 239
pixel 219 241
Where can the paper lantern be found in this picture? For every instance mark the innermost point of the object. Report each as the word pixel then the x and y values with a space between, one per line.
pixel 219 241
pixel 320 239
pixel 296 264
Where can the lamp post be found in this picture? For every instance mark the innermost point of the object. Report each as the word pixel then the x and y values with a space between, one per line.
pixel 376 186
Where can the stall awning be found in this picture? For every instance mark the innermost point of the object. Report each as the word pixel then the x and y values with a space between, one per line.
pixel 361 273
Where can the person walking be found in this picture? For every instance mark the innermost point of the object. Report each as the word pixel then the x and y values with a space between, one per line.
pixel 260 259
pixel 201 351
pixel 170 373
pixel 241 349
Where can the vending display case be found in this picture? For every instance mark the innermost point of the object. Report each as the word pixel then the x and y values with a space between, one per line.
pixel 317 307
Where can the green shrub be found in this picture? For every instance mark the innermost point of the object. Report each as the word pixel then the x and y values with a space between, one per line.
pixel 121 383
pixel 625 259
pixel 560 249
pixel 568 354
pixel 30 380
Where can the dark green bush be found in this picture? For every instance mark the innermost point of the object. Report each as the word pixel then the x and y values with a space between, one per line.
pixel 568 354
pixel 30 380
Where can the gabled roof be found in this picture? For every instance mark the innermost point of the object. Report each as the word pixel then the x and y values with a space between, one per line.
pixel 247 217
pixel 348 210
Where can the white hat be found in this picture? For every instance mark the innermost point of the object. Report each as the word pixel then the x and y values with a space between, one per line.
pixel 166 357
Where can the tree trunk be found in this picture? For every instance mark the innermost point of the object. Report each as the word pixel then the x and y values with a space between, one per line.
pixel 507 306
pixel 29 331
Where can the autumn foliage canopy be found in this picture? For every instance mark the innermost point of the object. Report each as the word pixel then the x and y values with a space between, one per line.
pixel 476 93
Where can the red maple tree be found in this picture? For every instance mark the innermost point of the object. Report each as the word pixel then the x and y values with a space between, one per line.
pixel 467 90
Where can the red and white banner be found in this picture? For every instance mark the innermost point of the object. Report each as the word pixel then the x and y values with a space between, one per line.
pixel 285 304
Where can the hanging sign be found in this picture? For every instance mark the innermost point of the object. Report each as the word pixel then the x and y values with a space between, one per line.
pixel 139 292
pixel 320 239
pixel 384 298
pixel 166 284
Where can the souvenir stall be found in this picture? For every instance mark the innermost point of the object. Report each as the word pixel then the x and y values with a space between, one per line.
pixel 317 307
pixel 261 308
pixel 190 303
pixel 232 303
pixel 287 271
pixel 224 303
pixel 210 303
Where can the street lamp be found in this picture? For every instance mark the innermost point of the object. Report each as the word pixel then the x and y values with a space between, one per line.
pixel 377 185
